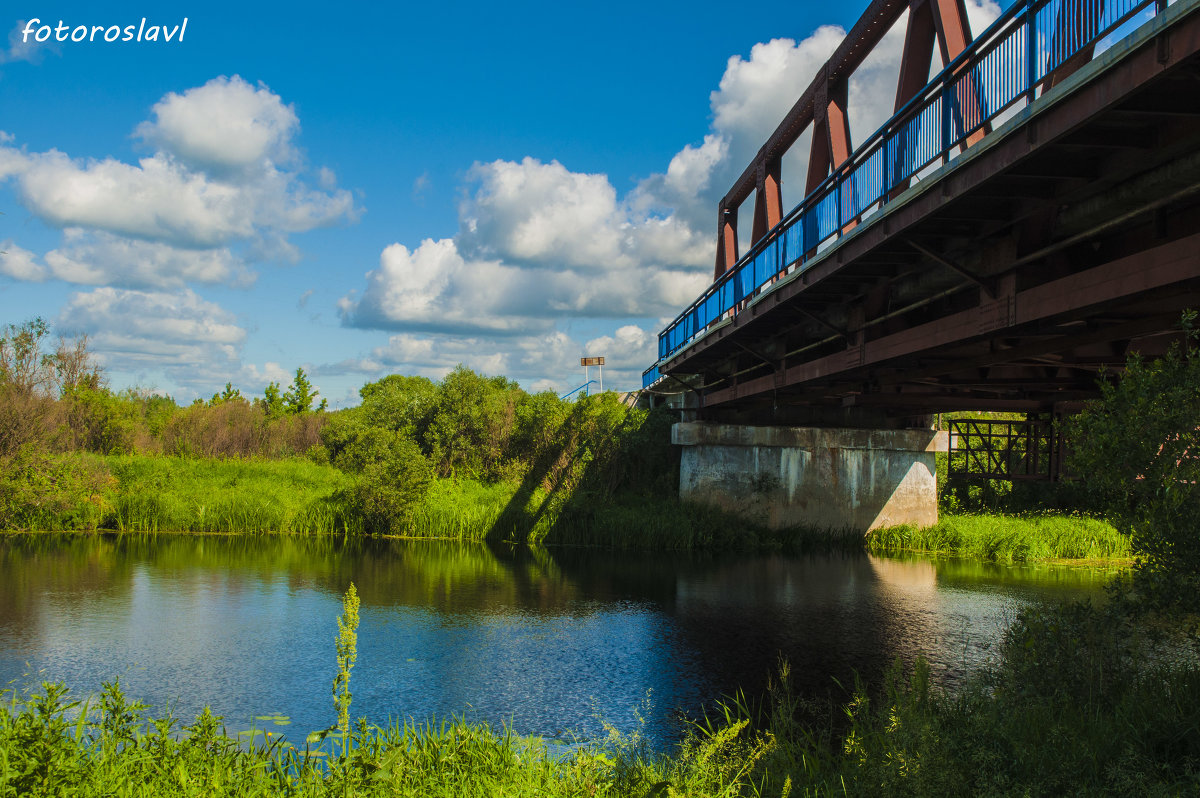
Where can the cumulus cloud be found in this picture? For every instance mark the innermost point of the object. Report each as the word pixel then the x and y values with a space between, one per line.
pixel 538 242
pixel 145 335
pixel 171 331
pixel 105 259
pixel 225 176
pixel 20 264
pixel 524 358
pixel 435 289
pixel 226 125
pixel 629 345
pixel 542 215
pixel 539 362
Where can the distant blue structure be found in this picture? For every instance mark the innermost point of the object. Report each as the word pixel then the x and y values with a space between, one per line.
pixel 567 396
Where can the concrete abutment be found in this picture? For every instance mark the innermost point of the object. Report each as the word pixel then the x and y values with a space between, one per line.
pixel 824 478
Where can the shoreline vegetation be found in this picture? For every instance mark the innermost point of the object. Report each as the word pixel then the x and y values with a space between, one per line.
pixel 156 493
pixel 1086 699
pixel 469 458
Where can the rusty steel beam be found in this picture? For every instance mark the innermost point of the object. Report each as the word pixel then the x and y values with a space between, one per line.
pixel 1112 282
pixel 768 199
pixel 727 241
pixel 831 131
pixel 824 104
pixel 858 44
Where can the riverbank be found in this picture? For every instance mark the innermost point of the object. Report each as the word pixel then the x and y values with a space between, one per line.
pixel 155 493
pixel 1057 736
pixel 1025 537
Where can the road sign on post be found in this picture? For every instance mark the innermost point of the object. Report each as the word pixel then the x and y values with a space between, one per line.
pixel 598 362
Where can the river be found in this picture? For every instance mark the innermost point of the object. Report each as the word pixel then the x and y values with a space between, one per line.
pixel 550 641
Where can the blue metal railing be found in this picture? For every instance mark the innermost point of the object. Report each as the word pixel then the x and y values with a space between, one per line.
pixel 569 394
pixel 1002 67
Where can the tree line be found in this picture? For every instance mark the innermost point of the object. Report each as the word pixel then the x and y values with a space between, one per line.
pixel 55 403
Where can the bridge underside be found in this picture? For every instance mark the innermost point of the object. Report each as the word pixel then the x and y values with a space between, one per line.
pixel 1007 280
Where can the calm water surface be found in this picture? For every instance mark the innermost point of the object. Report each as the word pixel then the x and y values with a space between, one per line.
pixel 547 640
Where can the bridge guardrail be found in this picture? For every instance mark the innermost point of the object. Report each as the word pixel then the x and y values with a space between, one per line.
pixel 1002 66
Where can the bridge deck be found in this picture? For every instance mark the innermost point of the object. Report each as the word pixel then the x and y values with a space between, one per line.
pixel 1006 278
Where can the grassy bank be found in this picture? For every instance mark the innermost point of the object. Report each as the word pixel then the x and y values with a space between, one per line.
pixel 470 510
pixel 147 493
pixel 910 740
pixel 176 494
pixel 1008 538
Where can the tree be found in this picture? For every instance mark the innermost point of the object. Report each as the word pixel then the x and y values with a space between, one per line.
pixel 272 402
pixel 388 489
pixel 1139 447
pixel 23 364
pixel 230 394
pixel 300 394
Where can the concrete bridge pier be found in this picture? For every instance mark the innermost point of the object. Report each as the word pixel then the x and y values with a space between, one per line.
pixel 826 478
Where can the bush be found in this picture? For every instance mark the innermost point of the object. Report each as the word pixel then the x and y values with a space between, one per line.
pixel 389 489
pixel 1140 447
pixel 39 490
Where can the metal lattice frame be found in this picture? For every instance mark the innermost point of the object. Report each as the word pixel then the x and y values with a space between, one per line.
pixel 982 449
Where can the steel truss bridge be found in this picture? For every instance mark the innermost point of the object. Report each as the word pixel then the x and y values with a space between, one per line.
pixel 1024 220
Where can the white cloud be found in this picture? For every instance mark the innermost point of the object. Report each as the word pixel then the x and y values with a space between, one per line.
pixel 175 332
pixel 148 336
pixel 630 344
pixel 525 358
pixel 539 362
pixel 106 259
pixel 541 214
pixel 20 264
pixel 162 200
pixel 224 125
pixel 24 48
pixel 435 289
pixel 225 178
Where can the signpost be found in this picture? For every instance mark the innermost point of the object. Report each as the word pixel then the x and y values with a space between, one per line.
pixel 598 362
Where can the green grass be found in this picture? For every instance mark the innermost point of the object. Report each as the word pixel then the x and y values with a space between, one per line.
pixel 252 496
pixel 907 739
pixel 1008 538
pixel 175 494
pixel 465 509
pixel 51 745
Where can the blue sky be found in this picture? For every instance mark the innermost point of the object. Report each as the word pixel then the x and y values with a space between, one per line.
pixel 365 190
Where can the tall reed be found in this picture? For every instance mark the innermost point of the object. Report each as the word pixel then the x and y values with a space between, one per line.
pixel 1007 538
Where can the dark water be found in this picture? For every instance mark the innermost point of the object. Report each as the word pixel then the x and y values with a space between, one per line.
pixel 547 640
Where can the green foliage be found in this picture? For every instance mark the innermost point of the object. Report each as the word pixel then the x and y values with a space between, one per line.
pixel 1007 538
pixel 40 490
pixel 24 363
pixel 300 394
pixel 388 490
pixel 272 403
pixel 1140 448
pixel 99 421
pixel 229 394
pixel 469 424
pixel 172 494
pixel 347 653
pixel 155 410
